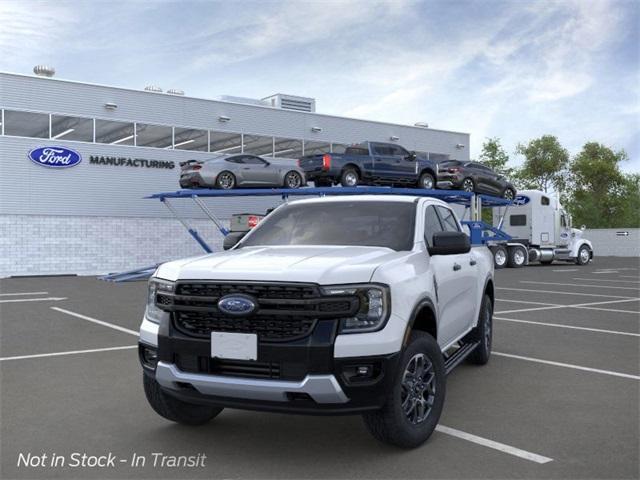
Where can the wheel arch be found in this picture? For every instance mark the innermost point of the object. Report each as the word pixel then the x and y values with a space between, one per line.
pixel 354 166
pixel 489 289
pixel 424 319
pixel 430 171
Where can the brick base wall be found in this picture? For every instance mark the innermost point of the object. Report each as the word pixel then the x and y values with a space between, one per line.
pixel 53 245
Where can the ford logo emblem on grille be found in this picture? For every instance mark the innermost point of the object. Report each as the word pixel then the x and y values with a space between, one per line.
pixel 236 305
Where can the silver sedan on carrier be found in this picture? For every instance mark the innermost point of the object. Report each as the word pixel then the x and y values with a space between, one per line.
pixel 241 170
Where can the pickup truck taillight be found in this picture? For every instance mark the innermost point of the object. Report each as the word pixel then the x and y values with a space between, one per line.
pixel 326 161
pixel 196 167
pixel 454 170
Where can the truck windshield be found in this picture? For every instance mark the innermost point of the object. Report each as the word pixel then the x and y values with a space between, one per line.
pixel 362 223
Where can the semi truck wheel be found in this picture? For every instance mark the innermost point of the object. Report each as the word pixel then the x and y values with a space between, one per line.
pixel 500 256
pixel 414 404
pixel 517 257
pixel 584 255
pixel 176 410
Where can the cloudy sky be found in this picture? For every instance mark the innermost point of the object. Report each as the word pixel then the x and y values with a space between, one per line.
pixel 511 69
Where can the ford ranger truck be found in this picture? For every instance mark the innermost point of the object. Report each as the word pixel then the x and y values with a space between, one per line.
pixel 333 305
pixel 371 163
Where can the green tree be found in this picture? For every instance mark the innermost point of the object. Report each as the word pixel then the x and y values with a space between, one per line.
pixel 545 164
pixel 600 195
pixel 494 156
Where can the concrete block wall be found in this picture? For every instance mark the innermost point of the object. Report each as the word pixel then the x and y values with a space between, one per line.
pixel 613 242
pixel 54 245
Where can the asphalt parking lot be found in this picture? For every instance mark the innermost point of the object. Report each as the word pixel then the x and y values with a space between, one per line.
pixel 559 398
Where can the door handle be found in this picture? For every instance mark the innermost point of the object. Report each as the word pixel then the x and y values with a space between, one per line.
pixel 456 267
pixel 472 262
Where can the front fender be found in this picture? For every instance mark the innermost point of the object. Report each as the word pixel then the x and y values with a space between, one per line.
pixel 579 243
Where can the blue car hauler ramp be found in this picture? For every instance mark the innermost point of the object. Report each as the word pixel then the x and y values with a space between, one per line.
pixel 480 232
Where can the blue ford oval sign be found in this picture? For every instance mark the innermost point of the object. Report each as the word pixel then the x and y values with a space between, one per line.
pixel 521 200
pixel 236 305
pixel 55 157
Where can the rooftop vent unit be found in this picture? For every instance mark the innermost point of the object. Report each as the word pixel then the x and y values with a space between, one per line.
pixel 421 124
pixel 291 102
pixel 44 71
pixel 153 88
pixel 175 91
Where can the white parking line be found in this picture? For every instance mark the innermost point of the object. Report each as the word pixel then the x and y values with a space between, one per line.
pixel 23 293
pixel 567 270
pixel 604 280
pixel 528 302
pixel 561 293
pixel 47 299
pixel 96 321
pixel 567 365
pixel 572 327
pixel 485 442
pixel 588 306
pixel 581 285
pixel 628 276
pixel 615 310
pixel 71 352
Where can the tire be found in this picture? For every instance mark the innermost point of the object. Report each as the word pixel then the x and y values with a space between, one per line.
pixel 584 255
pixel 409 430
pixel 483 333
pixel 508 194
pixel 225 180
pixel 349 177
pixel 517 257
pixel 427 181
pixel 292 180
pixel 176 410
pixel 468 185
pixel 500 256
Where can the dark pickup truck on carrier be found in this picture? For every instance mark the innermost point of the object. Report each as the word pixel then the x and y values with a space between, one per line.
pixel 371 163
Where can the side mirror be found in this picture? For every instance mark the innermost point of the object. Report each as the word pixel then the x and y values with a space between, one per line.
pixel 412 156
pixel 583 228
pixel 449 243
pixel 231 239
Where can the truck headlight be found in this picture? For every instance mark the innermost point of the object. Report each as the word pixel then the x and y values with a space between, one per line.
pixel 157 286
pixel 373 311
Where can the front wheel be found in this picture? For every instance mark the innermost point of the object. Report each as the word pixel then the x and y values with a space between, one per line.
pixel 293 179
pixel 584 255
pixel 509 194
pixel 415 401
pixel 176 410
pixel 426 181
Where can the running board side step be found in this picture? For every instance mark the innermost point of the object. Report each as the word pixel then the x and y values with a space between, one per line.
pixel 459 355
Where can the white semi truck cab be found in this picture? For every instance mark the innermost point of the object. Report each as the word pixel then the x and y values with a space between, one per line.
pixel 541 231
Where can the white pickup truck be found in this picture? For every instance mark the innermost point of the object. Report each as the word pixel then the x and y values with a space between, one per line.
pixel 334 305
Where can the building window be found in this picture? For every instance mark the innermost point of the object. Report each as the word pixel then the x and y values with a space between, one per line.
pixel 287 148
pixel 26 124
pixel 114 133
pixel 315 148
pixel 190 139
pixel 71 128
pixel 157 136
pixel 258 145
pixel 225 142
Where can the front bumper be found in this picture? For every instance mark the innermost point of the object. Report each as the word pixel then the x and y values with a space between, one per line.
pixel 300 376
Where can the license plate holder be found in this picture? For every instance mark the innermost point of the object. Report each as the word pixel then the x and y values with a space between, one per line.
pixel 234 346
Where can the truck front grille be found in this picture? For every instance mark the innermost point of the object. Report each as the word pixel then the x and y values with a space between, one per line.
pixel 232 368
pixel 285 311
pixel 268 327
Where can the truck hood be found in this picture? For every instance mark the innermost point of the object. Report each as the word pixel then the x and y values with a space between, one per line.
pixel 324 265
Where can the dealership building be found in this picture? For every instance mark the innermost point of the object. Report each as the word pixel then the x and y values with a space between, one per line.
pixel 92 217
